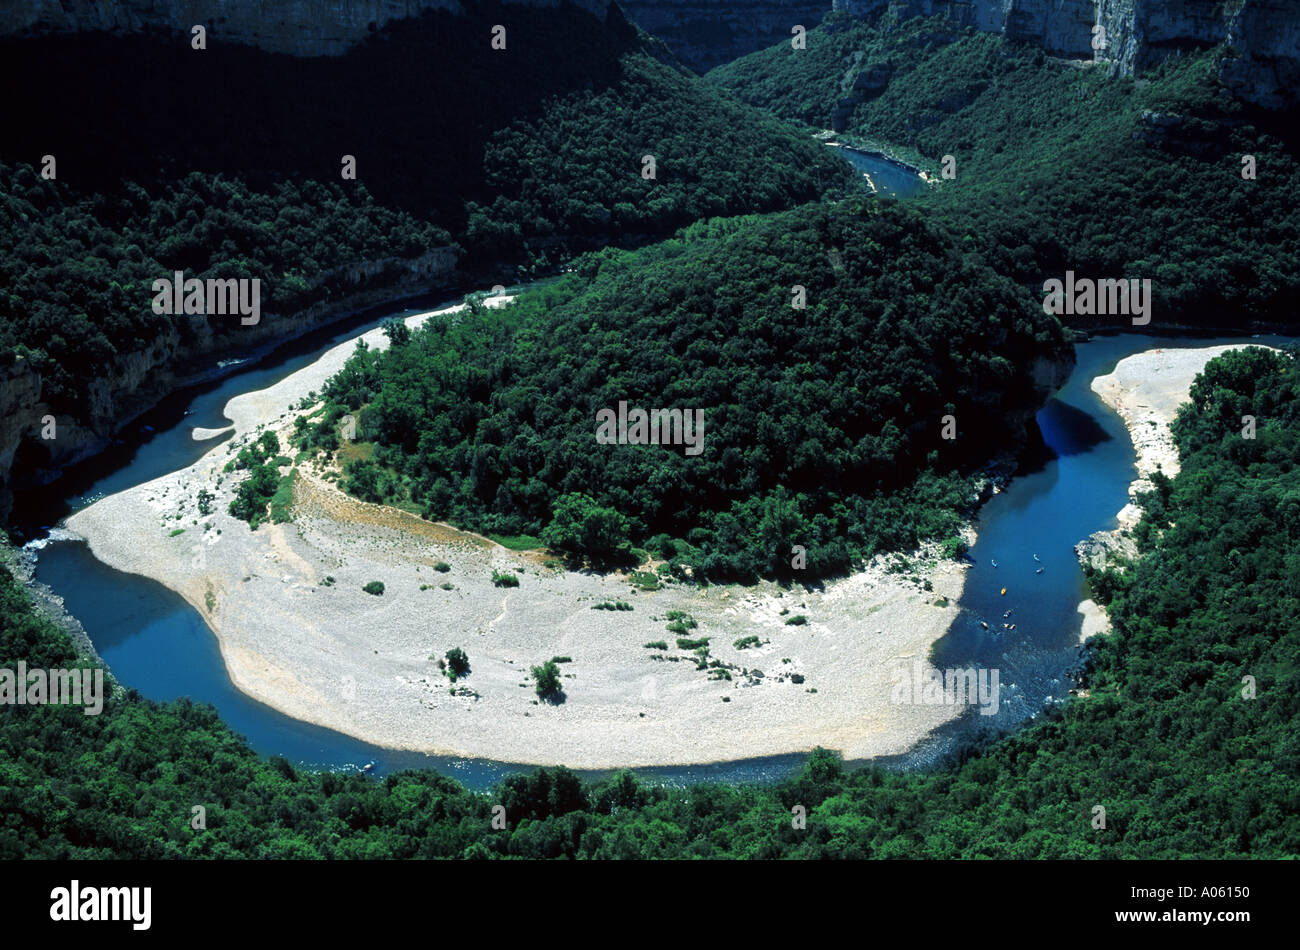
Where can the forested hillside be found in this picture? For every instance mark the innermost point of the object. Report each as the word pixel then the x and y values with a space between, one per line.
pixel 1184 763
pixel 1062 166
pixel 228 162
pixel 823 423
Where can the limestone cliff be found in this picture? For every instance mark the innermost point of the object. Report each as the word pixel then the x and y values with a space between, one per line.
pixel 298 27
pixel 708 33
pixel 1262 37
pixel 136 381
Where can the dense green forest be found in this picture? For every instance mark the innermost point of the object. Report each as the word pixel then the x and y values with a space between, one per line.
pixel 1183 762
pixel 1062 166
pixel 227 163
pixel 823 424
pixel 76 276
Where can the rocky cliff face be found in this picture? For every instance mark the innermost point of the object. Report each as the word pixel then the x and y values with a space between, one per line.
pixel 298 27
pixel 136 381
pixel 1263 36
pixel 708 33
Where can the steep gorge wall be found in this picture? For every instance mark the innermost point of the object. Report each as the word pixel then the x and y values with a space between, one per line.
pixel 298 27
pixel 708 33
pixel 136 381
pixel 1263 36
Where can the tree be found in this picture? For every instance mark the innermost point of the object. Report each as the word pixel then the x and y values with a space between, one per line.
pixel 580 529
pixel 457 662
pixel 398 333
pixel 548 681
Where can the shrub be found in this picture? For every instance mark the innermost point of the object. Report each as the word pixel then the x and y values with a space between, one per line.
pixel 656 645
pixel 746 642
pixel 798 620
pixel 547 677
pixel 684 644
pixel 374 587
pixel 504 580
pixel 457 662
pixel 442 567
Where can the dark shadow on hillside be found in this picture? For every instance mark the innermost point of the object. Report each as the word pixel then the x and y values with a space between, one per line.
pixel 415 103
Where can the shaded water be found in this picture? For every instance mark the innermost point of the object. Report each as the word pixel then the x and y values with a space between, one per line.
pixel 889 177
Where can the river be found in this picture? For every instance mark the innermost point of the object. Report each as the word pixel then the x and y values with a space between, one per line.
pixel 156 643
pixel 889 177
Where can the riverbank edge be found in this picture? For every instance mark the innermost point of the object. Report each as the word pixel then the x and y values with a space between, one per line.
pixel 1159 453
pixel 992 478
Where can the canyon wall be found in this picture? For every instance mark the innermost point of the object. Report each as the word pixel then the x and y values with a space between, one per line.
pixel 708 33
pixel 1262 62
pixel 298 27
pixel 136 381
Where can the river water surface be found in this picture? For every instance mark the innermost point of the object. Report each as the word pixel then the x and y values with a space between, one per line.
pixel 157 644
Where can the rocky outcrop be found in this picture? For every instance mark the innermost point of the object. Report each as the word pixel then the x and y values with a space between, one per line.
pixel 708 33
pixel 135 382
pixel 867 85
pixel 297 27
pixel 1262 37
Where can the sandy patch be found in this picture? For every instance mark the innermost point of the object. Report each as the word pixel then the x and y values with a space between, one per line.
pixel 298 633
pixel 1146 389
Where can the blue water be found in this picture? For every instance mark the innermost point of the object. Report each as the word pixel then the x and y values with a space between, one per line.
pixel 157 644
pixel 890 178
pixel 1053 502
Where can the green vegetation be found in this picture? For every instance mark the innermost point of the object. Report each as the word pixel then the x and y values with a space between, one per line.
pixel 644 580
pixel 581 530
pixel 745 643
pixel 282 500
pixel 614 605
pixel 442 567
pixel 685 643
pixel 547 678
pixel 1186 765
pixel 822 424
pixel 1033 191
pixel 798 620
pixel 457 663
pixel 374 587
pixel 656 645
pixel 680 622
pixel 504 580
pixel 264 485
pixel 176 531
pixel 517 542
pixel 538 156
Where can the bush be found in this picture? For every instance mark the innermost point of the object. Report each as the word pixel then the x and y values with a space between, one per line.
pixel 798 620
pixel 457 663
pixel 656 645
pixel 548 680
pixel 374 587
pixel 684 644
pixel 504 580
pixel 746 642
pixel 442 567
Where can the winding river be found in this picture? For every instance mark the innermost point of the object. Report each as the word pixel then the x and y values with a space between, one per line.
pixel 1074 485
